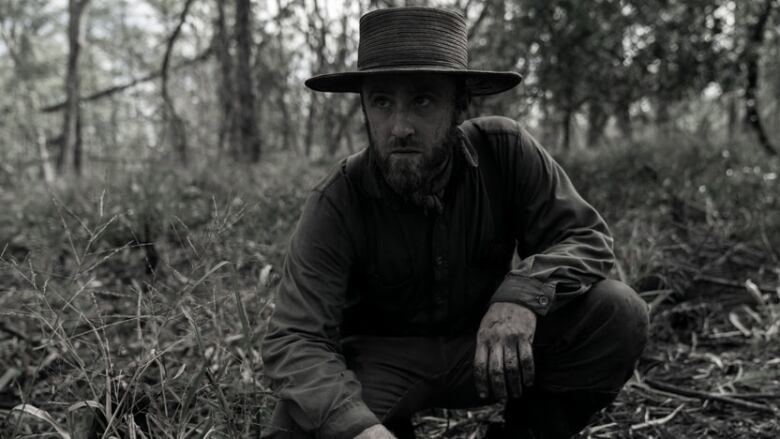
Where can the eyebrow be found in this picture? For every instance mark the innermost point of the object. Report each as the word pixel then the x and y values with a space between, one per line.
pixel 376 89
pixel 418 90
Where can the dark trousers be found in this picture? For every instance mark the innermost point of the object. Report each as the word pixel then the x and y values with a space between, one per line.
pixel 583 353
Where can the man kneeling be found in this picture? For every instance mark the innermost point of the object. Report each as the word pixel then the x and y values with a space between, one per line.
pixel 398 292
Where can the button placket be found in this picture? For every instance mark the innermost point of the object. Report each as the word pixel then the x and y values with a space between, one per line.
pixel 440 268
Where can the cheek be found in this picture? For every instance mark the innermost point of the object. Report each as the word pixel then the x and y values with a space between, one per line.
pixel 377 129
pixel 442 125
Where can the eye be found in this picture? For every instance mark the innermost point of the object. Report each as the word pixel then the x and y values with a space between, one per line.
pixel 380 102
pixel 423 101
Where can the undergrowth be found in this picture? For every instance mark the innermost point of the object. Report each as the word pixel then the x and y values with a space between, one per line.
pixel 132 305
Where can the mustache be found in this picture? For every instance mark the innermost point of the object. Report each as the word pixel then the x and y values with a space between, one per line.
pixel 404 143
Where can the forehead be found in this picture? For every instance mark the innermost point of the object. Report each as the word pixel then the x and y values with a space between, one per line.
pixel 409 83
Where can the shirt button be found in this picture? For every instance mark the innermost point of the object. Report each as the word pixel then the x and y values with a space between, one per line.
pixel 543 300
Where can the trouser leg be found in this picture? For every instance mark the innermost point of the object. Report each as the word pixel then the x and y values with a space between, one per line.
pixel 583 354
pixel 397 376
pixel 282 425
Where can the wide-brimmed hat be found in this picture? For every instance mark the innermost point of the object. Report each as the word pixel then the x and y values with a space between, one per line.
pixel 414 40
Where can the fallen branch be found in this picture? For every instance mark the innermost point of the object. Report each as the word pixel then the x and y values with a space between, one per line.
pixel 659 421
pixel 728 399
pixel 756 395
pixel 728 283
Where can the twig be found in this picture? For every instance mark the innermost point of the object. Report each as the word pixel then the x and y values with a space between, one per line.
pixel 11 331
pixel 728 283
pixel 755 395
pixel 729 399
pixel 659 421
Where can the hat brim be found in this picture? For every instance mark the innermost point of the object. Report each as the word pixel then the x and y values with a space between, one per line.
pixel 477 82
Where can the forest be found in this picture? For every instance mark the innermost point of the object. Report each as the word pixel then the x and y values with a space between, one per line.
pixel 155 156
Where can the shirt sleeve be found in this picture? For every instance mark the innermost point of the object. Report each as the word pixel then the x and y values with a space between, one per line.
pixel 301 350
pixel 563 243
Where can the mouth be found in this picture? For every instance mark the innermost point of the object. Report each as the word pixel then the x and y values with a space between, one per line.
pixel 405 151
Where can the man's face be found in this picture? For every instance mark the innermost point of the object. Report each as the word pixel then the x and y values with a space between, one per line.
pixel 411 120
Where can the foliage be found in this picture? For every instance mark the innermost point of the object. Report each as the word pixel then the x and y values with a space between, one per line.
pixel 158 335
pixel 609 67
pixel 146 292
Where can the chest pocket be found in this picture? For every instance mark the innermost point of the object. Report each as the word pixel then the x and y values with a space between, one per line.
pixel 391 289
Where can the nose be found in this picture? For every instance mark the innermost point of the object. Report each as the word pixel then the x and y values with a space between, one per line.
pixel 402 128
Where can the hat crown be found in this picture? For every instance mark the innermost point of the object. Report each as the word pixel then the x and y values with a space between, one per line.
pixel 413 37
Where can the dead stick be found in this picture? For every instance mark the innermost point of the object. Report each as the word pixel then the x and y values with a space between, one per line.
pixel 755 395
pixel 729 283
pixel 707 395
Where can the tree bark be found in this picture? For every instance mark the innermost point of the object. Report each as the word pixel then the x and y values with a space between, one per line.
pixel 249 140
pixel 71 126
pixel 226 90
pixel 752 55
pixel 623 120
pixel 566 122
pixel 178 132
pixel 597 121
pixel 289 139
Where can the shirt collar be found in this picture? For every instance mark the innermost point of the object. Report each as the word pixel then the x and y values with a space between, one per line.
pixel 376 187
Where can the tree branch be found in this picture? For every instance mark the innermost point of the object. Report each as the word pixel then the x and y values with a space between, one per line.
pixel 106 92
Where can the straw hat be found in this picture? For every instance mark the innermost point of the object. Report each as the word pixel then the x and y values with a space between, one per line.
pixel 414 40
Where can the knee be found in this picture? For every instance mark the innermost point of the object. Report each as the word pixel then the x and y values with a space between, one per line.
pixel 624 314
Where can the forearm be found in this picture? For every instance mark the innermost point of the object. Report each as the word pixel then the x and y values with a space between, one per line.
pixel 564 244
pixel 301 350
pixel 547 280
pixel 311 375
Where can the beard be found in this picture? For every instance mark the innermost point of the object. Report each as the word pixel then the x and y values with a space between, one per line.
pixel 411 174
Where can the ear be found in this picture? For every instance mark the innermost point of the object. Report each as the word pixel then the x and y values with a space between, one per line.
pixel 461 109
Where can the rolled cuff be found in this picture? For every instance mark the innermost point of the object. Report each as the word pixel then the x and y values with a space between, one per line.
pixel 529 292
pixel 347 421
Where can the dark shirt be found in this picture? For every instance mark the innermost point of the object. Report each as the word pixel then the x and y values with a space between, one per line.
pixel 362 261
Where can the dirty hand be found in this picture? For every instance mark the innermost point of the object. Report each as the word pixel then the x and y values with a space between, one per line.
pixel 377 431
pixel 504 361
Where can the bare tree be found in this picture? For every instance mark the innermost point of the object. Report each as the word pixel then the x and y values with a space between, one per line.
pixel 178 132
pixel 248 139
pixel 226 89
pixel 71 127
pixel 752 54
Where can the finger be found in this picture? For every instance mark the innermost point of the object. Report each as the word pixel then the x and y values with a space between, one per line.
pixel 512 371
pixel 480 370
pixel 527 362
pixel 497 381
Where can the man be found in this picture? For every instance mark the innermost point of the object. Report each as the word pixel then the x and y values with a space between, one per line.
pixel 398 293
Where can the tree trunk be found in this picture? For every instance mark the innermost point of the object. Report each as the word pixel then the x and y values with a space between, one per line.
pixel 342 126
pixel 732 116
pixel 597 121
pixel 71 127
pixel 623 120
pixel 249 140
pixel 178 131
pixel 308 142
pixel 566 122
pixel 752 55
pixel 226 90
pixel 289 139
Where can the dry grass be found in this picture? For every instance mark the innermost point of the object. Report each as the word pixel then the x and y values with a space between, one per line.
pixel 132 307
